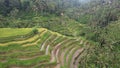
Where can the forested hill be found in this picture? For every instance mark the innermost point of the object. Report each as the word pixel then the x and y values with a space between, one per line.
pixel 82 11
pixel 95 20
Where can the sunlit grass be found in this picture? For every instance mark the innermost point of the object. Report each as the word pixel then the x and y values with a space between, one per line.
pixel 7 32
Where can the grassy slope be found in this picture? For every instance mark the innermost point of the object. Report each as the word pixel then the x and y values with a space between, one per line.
pixel 25 56
pixel 6 32
pixel 60 24
pixel 14 50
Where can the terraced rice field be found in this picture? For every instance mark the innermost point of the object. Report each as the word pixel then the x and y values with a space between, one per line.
pixel 46 49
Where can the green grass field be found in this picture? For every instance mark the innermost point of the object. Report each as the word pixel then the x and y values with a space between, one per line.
pixel 7 32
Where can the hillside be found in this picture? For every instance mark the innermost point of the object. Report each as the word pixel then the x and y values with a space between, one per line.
pixel 59 33
pixel 44 49
pixel 63 25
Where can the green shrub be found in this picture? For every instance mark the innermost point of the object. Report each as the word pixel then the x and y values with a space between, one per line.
pixel 35 31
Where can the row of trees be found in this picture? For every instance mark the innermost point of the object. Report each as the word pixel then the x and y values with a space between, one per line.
pixel 36 6
pixel 100 12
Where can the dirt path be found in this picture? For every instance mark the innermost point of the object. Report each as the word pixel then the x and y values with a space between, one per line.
pixel 3 61
pixel 81 42
pixel 18 67
pixel 77 59
pixel 79 53
pixel 55 53
pixel 69 54
pixel 59 55
pixel 57 66
pixel 52 53
pixel 62 56
pixel 31 44
pixel 74 56
pixel 44 43
pixel 31 57
pixel 47 50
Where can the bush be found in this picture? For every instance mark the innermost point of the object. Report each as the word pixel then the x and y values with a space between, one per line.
pixel 35 31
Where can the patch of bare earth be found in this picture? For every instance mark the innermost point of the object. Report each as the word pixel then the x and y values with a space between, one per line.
pixel 76 54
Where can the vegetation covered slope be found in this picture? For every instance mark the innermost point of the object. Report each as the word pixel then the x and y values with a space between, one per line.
pixel 44 49
pixel 63 25
pixel 99 19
